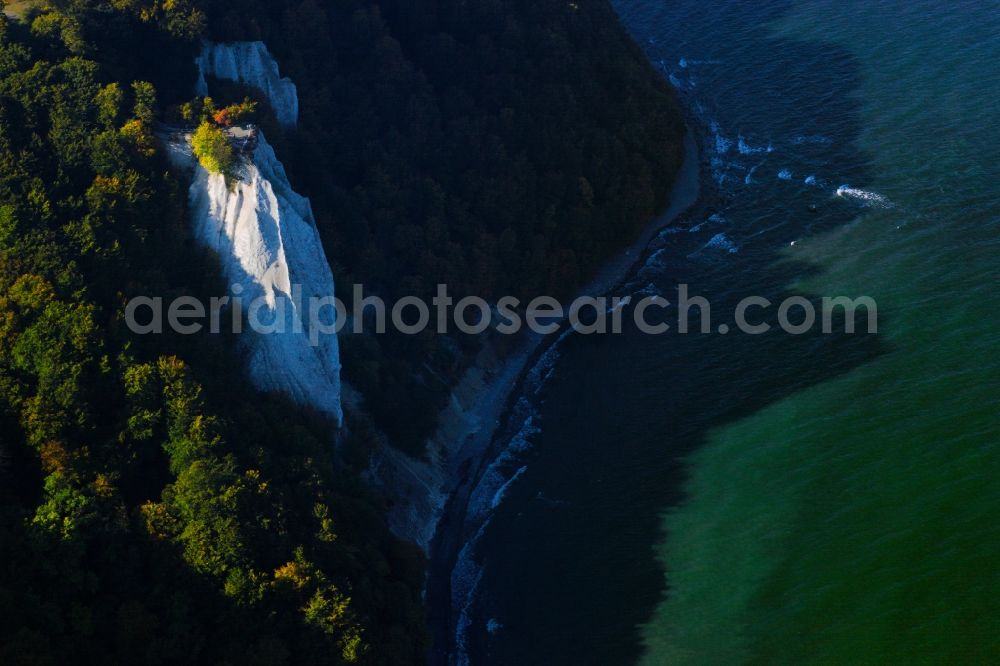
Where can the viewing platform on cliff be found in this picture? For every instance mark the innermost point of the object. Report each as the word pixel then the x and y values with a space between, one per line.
pixel 242 137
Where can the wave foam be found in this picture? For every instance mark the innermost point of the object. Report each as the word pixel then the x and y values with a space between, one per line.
pixel 498 497
pixel 650 289
pixel 684 63
pixel 745 148
pixel 465 580
pixel 722 144
pixel 721 169
pixel 714 218
pixel 814 139
pixel 872 199
pixel 718 242
pixel 488 495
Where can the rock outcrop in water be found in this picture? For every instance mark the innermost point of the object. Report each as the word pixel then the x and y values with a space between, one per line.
pixel 250 63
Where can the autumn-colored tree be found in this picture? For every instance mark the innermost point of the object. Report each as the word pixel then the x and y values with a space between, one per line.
pixel 235 113
pixel 213 149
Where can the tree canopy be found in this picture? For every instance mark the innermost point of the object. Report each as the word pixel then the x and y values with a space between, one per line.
pixel 505 147
pixel 155 507
pixel 213 149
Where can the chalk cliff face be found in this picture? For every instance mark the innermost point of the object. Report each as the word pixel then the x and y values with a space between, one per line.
pixel 250 63
pixel 266 238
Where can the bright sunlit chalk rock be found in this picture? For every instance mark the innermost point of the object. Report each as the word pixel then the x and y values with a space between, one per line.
pixel 266 238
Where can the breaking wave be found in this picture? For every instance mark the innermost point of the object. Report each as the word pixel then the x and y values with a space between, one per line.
pixel 872 199
pixel 714 218
pixel 684 63
pixel 814 139
pixel 745 148
pixel 722 144
pixel 498 497
pixel 720 242
pixel 489 494
pixel 465 580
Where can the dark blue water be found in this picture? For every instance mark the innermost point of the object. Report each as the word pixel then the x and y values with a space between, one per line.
pixel 567 559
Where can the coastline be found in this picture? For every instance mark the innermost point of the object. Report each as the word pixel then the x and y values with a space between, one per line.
pixel 477 413
pixel 421 491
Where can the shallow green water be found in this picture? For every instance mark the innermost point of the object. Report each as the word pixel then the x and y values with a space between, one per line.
pixel 859 520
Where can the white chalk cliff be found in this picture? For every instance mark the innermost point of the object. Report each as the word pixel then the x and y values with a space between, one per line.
pixel 250 63
pixel 266 238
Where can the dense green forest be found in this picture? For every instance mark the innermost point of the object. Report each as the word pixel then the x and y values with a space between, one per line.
pixel 500 146
pixel 154 507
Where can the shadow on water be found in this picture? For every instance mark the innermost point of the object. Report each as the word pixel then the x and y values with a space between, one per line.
pixel 570 559
pixel 570 556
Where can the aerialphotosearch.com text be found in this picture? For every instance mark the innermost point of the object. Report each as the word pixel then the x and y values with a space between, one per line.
pixel 271 312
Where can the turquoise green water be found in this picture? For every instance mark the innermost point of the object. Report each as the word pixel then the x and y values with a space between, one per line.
pixel 859 521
